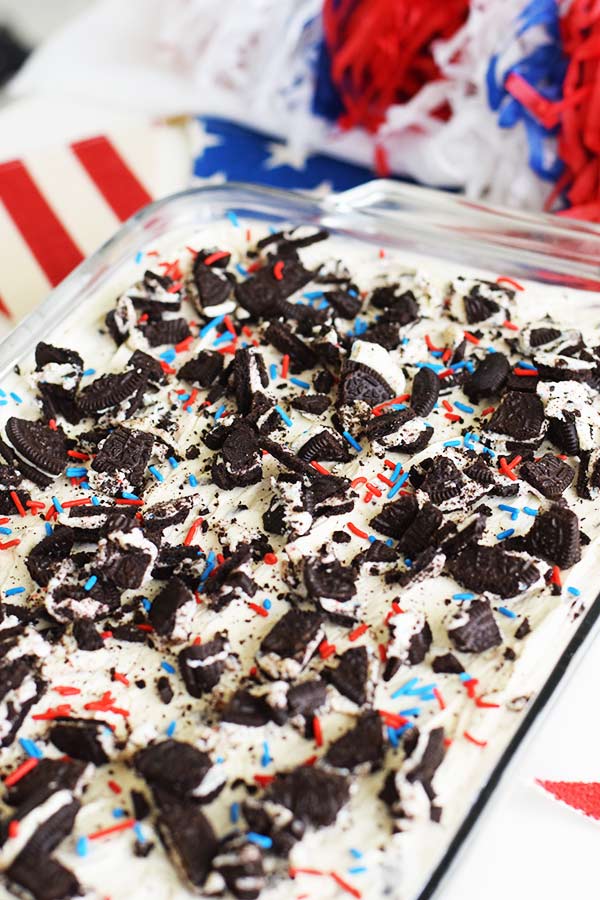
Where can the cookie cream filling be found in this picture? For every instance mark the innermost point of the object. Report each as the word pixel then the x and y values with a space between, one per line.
pixel 431 314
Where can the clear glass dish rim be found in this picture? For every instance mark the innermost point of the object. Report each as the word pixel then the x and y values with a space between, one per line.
pixel 564 251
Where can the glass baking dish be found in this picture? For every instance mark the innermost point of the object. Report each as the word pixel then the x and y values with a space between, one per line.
pixel 403 217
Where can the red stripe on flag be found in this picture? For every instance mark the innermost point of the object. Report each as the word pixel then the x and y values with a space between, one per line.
pixel 119 186
pixel 5 310
pixel 44 233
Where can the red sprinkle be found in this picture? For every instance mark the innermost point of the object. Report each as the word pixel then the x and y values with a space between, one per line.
pixel 270 559
pixel 264 780
pixel 123 501
pixel 13 828
pixel 326 650
pixel 392 719
pixel 508 324
pixel 259 610
pixel 192 532
pixel 317 730
pixel 77 454
pixel 104 832
pixel 470 337
pixel 430 345
pixel 316 465
pixel 525 372
pixel 505 280
pixel 20 771
pixel 390 402
pixel 386 480
pixel 483 704
pixel 555 576
pixel 382 652
pixel 65 690
pixel 356 531
pixel 215 257
pixel 118 676
pixel 447 405
pixel 453 417
pixel 83 501
pixel 473 740
pixel 52 424
pixel 488 410
pixel 439 698
pixel 278 270
pixel 285 365
pixel 184 344
pixel 115 788
pixel 358 631
pixel 64 709
pixel 143 627
pixel 15 499
pixel 506 470
pixel 10 544
pixel 350 889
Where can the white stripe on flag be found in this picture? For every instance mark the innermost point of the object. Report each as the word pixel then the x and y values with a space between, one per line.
pixel 74 197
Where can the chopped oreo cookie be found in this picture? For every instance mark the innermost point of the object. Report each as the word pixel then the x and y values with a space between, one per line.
pixel 555 537
pixel 362 745
pixel 89 740
pixel 312 405
pixel 359 382
pixel 45 557
pixel 473 629
pixel 204 369
pixel 290 644
pixel 238 866
pixel 549 475
pixel 395 517
pixel 126 556
pixel 108 393
pixel 488 379
pixel 180 770
pixel 121 461
pixel 202 665
pixel 172 611
pixel 520 416
pixel 326 446
pixel 41 448
pixel 480 568
pixel 240 463
pixel 247 709
pixel 425 391
pixel 332 586
pixel 400 432
pixel 189 840
pixel 355 675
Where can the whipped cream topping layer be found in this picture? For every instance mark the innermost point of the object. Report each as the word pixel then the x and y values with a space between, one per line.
pixel 293 530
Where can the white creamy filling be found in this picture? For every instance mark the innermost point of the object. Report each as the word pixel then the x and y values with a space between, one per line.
pixel 13 702
pixel 30 824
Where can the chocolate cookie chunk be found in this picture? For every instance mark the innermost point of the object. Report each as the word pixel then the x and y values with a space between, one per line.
pixel 361 382
pixel 395 517
pixel 479 568
pixel 312 404
pixel 87 636
pixel 148 365
pixel 479 305
pixel 204 369
pixel 126 557
pixel 85 739
pixel 555 537
pixel 352 676
pixel 48 776
pixel 549 475
pixel 324 446
pixel 361 745
pixel 122 458
pixel 314 796
pixel 401 432
pixel 432 758
pixel 167 331
pixel 239 863
pixel 172 611
pixel 345 304
pixel 386 334
pixel 43 877
pixel 302 356
pixel 260 294
pixel 520 416
pixel 425 391
pixel 38 444
pixel 306 698
pixel 328 578
pixel 448 664
pixel 189 840
pixel 563 433
pixel 240 464
pixel 422 531
pixel 290 644
pixel 213 287
pixel 246 709
pixel 45 557
pixel 110 391
pixel 442 481
pixel 180 769
pixel 474 629
pixel 202 665
pixel 488 379
pixel 249 376
pixel 168 512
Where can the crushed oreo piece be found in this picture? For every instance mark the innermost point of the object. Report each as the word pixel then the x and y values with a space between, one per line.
pixel 39 445
pixel 172 611
pixel 180 769
pixel 189 840
pixel 202 665
pixel 520 416
pixel 290 644
pixel 302 356
pixel 326 446
pixel 87 636
pixel 246 709
pixel 240 464
pixel 549 475
pixel 479 568
pixel 489 377
pixel 555 537
pixel 447 663
pixel 313 795
pixel 395 517
pixel 425 391
pixel 353 676
pixel 167 331
pixel 362 744
pixel 312 404
pixel 474 629
pixel 204 369
pixel 361 382
pixel 165 691
pixel 85 739
pixel 122 460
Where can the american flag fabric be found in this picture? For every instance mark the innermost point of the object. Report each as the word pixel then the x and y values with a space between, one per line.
pixel 58 205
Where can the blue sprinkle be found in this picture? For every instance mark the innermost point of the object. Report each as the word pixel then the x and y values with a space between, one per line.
pixel 2 393
pixel 81 847
pixel 464 676
pixel 405 688
pixel 266 757
pixel 220 412
pixel 146 604
pixel 15 397
pixel 397 472
pixel 299 383
pixel 284 416
pixel 574 591
pixel 389 542
pixel 233 218
pixel 210 564
pixel 171 728
pixel 211 325
pixel 183 397
pixel 514 512
pixel 243 272
pixel 88 372
pixel 173 462
pixel 355 853
pixel 3 402
pixel 464 407
pixel 76 471
pixel 464 595
pixel 193 481
pixel 90 582
pixel 224 338
pixel 31 748
pixel 4 530
pixel 312 295
pixel 158 475
pixel 127 495
pixel 526 365
pixel 234 812
pixel 400 731
pixel 85 485
pixel 352 441
pixel 138 831
pixel 16 590
pixel 356 870
pixel 261 840
pixel 118 813
pixel 430 365
pixel 505 534
pixel 139 256
pixel 273 371
pixel 488 450
pixel 371 539
pixel 408 562
pixel 530 511
pixel 219 760
pixel 394 490
pixel 507 612
pixel 95 501
pixel 168 667
pixel 392 737
pixel 57 505
pixel 48 527
pixel 454 443
pixel 267 603
pixel 168 355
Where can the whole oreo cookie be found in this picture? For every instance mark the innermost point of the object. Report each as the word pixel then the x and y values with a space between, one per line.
pixel 38 444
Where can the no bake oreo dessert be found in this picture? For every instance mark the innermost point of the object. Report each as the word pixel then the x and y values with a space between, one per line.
pixel 293 528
